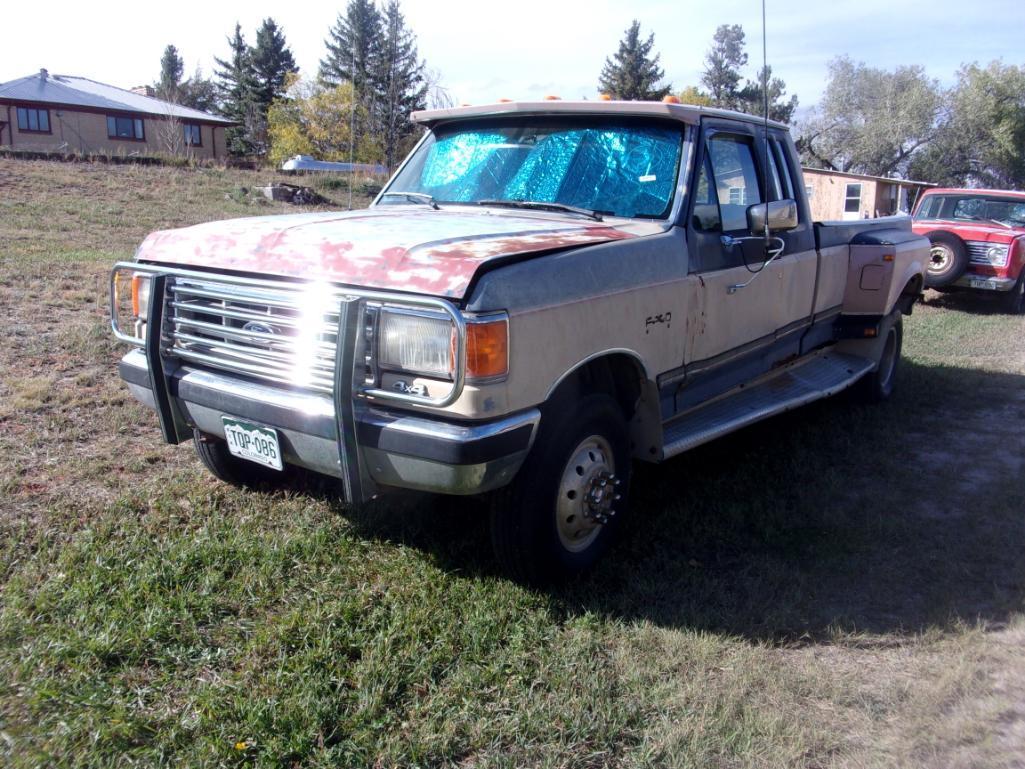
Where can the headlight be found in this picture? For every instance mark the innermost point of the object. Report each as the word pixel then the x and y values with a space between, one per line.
pixel 997 255
pixel 989 254
pixel 417 342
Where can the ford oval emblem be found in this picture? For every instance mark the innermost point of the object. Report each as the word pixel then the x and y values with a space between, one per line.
pixel 260 328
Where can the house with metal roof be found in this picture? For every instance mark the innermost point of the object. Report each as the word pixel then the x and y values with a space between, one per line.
pixel 63 113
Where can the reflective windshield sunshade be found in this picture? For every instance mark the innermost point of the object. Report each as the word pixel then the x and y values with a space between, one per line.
pixel 618 169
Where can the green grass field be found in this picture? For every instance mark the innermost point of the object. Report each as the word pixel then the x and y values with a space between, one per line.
pixel 839 587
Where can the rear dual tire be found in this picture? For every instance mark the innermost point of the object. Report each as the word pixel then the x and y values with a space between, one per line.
pixel 878 385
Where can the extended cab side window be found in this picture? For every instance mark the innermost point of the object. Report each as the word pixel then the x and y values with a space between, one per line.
pixel 727 185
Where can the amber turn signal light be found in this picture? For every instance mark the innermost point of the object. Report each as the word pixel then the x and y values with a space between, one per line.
pixel 487 349
pixel 136 304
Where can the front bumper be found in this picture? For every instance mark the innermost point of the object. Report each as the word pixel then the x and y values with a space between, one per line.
pixel 383 448
pixel 984 282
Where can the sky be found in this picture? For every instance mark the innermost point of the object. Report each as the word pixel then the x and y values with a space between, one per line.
pixel 484 51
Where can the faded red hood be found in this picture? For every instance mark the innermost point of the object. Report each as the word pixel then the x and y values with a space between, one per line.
pixel 422 251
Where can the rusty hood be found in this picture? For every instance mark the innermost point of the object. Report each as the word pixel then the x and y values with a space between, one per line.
pixel 396 249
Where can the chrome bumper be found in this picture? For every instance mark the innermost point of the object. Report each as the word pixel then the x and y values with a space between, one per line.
pixel 391 448
pixel 985 282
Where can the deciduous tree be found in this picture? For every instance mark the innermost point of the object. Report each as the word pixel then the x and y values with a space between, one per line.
pixel 316 119
pixel 980 139
pixel 870 120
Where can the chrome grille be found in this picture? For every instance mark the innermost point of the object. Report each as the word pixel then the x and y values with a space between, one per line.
pixel 286 335
pixel 978 254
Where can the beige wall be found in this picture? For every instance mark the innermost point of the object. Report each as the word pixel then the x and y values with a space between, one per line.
pixel 828 195
pixel 87 132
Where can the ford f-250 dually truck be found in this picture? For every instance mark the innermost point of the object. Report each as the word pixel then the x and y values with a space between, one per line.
pixel 542 294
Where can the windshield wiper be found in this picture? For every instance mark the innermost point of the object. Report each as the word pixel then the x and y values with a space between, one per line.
pixel 539 205
pixel 414 197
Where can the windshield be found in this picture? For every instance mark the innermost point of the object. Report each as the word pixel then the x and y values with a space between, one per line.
pixel 1005 210
pixel 612 168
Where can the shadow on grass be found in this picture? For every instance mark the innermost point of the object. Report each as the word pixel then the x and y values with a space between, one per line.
pixel 835 518
pixel 973 302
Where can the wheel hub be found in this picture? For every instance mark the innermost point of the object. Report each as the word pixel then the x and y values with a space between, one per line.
pixel 588 493
pixel 600 497
pixel 939 259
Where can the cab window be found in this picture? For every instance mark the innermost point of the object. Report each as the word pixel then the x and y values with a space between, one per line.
pixel 727 185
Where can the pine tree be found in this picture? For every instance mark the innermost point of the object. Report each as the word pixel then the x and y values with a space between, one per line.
pixel 237 87
pixel 722 66
pixel 354 52
pixel 171 70
pixel 403 85
pixel 632 73
pixel 354 48
pixel 752 97
pixel 272 64
pixel 199 93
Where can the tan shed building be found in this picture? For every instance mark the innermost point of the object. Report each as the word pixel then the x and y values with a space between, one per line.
pixel 837 195
pixel 62 113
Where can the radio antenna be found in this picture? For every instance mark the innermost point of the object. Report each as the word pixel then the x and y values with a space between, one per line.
pixel 765 126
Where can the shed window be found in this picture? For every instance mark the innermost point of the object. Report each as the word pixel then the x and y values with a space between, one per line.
pixel 33 120
pixel 193 135
pixel 852 199
pixel 125 128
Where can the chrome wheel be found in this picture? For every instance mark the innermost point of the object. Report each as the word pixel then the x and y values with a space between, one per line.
pixel 940 258
pixel 587 493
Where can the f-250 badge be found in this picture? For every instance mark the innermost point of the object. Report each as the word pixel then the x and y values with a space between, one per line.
pixel 663 317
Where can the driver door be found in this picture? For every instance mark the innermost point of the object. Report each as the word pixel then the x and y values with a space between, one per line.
pixel 751 314
pixel 727 182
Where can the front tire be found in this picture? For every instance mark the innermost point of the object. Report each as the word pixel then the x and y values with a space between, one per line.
pixel 1014 300
pixel 566 505
pixel 877 386
pixel 223 465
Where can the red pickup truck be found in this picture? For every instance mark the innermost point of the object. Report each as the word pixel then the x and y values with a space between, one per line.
pixel 978 241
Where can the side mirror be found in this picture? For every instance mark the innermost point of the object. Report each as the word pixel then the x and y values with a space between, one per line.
pixel 781 215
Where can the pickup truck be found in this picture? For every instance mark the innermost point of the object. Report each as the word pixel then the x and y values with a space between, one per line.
pixel 978 242
pixel 542 294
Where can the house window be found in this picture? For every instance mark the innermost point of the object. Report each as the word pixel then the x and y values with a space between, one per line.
pixel 809 191
pixel 125 128
pixel 852 199
pixel 33 120
pixel 193 135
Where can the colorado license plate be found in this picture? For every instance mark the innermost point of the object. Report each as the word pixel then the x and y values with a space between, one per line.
pixel 252 442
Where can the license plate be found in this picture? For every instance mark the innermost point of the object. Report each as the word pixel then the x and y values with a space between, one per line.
pixel 984 283
pixel 253 442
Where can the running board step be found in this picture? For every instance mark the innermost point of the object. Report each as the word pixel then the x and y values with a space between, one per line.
pixel 824 375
